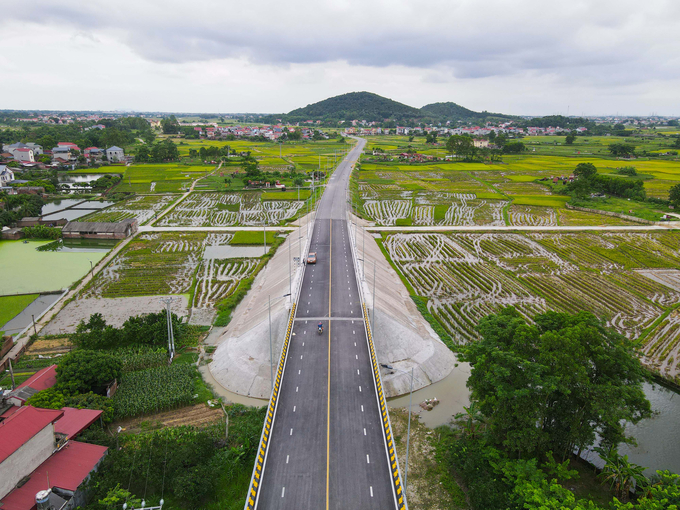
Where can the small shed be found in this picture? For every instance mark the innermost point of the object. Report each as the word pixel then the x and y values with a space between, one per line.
pixel 99 230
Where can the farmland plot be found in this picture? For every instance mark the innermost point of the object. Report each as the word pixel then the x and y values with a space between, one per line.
pixel 387 212
pixel 227 209
pixel 466 209
pixel 661 348
pixel 204 209
pixel 467 276
pixel 141 207
pixel 533 216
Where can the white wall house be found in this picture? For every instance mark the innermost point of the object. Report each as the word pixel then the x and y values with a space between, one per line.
pixel 115 154
pixel 23 155
pixel 6 176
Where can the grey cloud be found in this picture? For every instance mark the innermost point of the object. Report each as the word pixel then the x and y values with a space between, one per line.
pixel 472 39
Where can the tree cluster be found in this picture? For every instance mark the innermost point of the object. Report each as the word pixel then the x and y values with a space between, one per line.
pixel 542 391
pixel 19 206
pixel 621 150
pixel 144 330
pixel 160 152
pixel 589 181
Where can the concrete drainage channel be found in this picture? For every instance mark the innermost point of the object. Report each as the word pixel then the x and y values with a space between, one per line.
pixel 390 450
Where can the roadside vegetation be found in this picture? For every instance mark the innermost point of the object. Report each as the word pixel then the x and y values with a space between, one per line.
pixel 542 392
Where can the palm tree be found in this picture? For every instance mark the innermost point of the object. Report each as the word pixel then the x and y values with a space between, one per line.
pixel 473 419
pixel 620 473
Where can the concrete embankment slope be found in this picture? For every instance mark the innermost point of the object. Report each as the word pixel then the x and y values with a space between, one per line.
pixel 241 362
pixel 403 338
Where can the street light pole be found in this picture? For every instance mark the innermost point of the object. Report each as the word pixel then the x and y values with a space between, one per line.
pixel 373 307
pixel 271 349
pixel 408 434
pixel 363 253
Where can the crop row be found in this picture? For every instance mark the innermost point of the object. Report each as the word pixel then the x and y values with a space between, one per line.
pixel 153 390
pixel 217 279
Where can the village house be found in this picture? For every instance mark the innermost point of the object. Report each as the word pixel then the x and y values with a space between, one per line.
pixel 99 230
pixel 39 460
pixel 6 176
pixel 23 154
pixel 62 152
pixel 115 154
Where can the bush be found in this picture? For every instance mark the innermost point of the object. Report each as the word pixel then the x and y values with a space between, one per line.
pixel 84 371
pixel 42 232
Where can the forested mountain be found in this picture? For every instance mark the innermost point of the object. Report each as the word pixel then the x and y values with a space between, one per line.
pixel 355 105
pixel 453 112
pixel 372 107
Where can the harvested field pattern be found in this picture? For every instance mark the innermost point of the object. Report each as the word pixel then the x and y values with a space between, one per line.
pixel 142 207
pixel 534 216
pixel 226 209
pixel 624 278
pixel 170 263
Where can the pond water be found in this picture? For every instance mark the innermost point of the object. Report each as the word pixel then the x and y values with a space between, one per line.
pixel 71 178
pixel 230 252
pixel 69 214
pixel 658 437
pixel 27 270
pixel 94 204
pixel 58 205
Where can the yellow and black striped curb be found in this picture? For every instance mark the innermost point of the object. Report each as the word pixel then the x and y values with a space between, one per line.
pixel 256 479
pixel 387 426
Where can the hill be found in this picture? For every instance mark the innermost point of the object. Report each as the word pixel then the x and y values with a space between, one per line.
pixel 355 105
pixel 452 111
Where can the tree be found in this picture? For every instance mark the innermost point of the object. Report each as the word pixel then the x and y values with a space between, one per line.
pixel 621 149
pixel 169 125
pixel 83 371
pixel 585 170
pixel 620 473
pixel 554 385
pixel 569 140
pixel 674 195
pixel 142 155
pixel 461 146
pixel 514 148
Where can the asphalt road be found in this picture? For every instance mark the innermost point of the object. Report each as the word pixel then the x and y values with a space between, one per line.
pixel 327 448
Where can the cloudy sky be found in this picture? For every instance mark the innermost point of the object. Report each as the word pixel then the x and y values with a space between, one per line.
pixel 526 57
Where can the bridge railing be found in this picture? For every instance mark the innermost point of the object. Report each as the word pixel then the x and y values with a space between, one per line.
pixel 386 424
pixel 260 459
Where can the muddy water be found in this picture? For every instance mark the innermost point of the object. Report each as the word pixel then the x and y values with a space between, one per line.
pixel 658 437
pixel 451 392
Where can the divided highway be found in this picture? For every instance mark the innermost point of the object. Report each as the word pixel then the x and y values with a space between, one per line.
pixel 327 449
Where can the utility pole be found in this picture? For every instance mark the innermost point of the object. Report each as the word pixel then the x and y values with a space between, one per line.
pixel 171 338
pixel 35 332
pixel 264 232
pixel 11 374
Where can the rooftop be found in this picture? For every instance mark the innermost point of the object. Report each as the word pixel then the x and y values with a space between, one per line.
pixel 67 469
pixel 22 426
pixel 75 421
pixel 97 227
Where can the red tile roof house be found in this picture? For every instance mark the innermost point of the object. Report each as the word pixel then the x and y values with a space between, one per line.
pixel 41 380
pixel 37 455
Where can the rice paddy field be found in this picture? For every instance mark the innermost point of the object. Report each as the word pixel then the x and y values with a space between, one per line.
pixel 141 207
pixel 180 263
pixel 203 209
pixel 303 156
pixel 400 192
pixel 161 178
pixel 631 280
